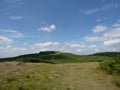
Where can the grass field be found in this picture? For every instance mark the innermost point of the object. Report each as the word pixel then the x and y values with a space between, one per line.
pixel 42 76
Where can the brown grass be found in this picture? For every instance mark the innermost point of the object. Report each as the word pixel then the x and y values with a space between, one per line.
pixel 73 76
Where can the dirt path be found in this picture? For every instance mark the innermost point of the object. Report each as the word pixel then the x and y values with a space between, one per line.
pixel 86 76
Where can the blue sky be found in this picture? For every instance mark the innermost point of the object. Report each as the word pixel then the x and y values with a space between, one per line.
pixel 75 26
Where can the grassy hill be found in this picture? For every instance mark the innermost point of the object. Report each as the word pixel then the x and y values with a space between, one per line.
pixel 61 57
pixel 109 54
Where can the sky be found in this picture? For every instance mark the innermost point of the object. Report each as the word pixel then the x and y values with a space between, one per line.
pixel 76 26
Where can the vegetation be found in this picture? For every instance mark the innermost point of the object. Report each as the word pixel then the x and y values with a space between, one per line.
pixel 109 54
pixel 56 57
pixel 24 75
pixel 44 76
pixel 112 66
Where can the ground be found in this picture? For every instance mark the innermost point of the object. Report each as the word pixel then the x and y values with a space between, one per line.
pixel 41 76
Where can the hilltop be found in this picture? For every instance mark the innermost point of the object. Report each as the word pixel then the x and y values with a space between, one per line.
pixel 109 54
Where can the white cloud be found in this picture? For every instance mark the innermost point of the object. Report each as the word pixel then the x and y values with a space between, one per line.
pixel 103 8
pixel 108 35
pixel 52 27
pixel 99 28
pixel 16 17
pixel 48 29
pixel 112 42
pixel 79 50
pixel 107 41
pixel 92 46
pixel 93 39
pixel 11 33
pixel 5 40
pixel 90 11
pixel 113 33
pixel 117 24
pixel 10 51
pixel 76 48
pixel 15 3
pixel 75 45
pixel 46 44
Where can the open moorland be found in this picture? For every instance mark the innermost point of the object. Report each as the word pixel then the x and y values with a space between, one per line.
pixel 60 71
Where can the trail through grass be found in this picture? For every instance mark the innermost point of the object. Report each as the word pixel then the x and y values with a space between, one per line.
pixel 41 76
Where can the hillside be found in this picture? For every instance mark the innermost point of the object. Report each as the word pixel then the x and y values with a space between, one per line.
pixel 109 54
pixel 62 57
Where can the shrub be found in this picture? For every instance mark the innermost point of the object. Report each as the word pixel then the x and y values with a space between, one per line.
pixel 117 82
pixel 22 88
pixel 9 80
pixel 112 67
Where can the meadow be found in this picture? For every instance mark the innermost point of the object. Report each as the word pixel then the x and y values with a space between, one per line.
pixel 66 72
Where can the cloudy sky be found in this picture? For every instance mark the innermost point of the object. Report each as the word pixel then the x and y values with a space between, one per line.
pixel 75 26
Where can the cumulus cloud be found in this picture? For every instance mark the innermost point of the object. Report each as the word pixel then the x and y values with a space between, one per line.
pixel 117 24
pixel 107 35
pixel 46 44
pixel 76 48
pixel 79 50
pixel 10 51
pixel 103 8
pixel 92 46
pixel 5 40
pixel 51 28
pixel 11 33
pixel 99 28
pixel 93 39
pixel 113 33
pixel 112 42
pixel 16 17
pixel 107 41
pixel 75 45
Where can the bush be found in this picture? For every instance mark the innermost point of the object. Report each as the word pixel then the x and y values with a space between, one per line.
pixel 117 82
pixel 9 80
pixel 22 88
pixel 112 67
